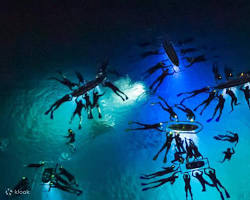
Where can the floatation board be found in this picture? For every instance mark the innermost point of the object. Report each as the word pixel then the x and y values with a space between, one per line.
pixel 171 53
pixel 185 127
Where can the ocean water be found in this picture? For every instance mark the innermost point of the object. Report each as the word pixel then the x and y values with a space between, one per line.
pixel 109 161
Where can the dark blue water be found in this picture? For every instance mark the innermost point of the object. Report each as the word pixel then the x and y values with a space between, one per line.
pixel 109 161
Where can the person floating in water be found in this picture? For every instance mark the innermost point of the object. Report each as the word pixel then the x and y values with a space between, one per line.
pixel 22 185
pixel 228 73
pixel 72 140
pixel 189 151
pixel 166 170
pixel 96 97
pixel 199 176
pixel 168 109
pixel 156 126
pixel 88 105
pixel 178 157
pixel 81 80
pixel 200 58
pixel 207 101
pixel 220 106
pixel 36 165
pixel 211 173
pixel 179 143
pixel 233 98
pixel 68 175
pixel 228 154
pixel 233 138
pixel 64 81
pixel 189 113
pixel 195 149
pixel 167 145
pixel 160 79
pixel 150 53
pixel 187 179
pixel 153 69
pixel 78 111
pixel 217 75
pixel 116 90
pixel 57 104
pixel 193 93
pixel 246 94
pixel 170 179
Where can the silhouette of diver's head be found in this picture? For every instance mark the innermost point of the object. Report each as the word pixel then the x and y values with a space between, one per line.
pixel 70 130
pixel 247 87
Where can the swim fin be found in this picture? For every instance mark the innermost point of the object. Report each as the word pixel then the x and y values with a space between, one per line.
pixel 216 138
pixel 227 194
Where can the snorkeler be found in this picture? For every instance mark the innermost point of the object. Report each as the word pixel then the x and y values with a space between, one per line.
pixel 35 165
pixel 168 109
pixel 68 175
pixel 228 72
pixel 228 154
pixel 88 105
pixel 199 175
pixel 195 149
pixel 189 151
pixel 115 89
pixel 233 98
pixel 95 104
pixel 234 137
pixel 167 145
pixel 157 126
pixel 187 179
pixel 22 185
pixel 207 101
pixel 166 170
pixel 150 53
pixel 72 140
pixel 178 157
pixel 160 79
pixel 246 94
pixel 153 69
pixel 64 81
pixel 193 93
pixel 58 103
pixel 170 179
pixel 78 111
pixel 220 106
pixel 217 75
pixel 200 58
pixel 81 80
pixel 210 172
pixel 189 113
pixel 179 143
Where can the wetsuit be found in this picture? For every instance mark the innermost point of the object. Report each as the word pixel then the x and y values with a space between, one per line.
pixel 220 106
pixel 78 111
pixel 156 126
pixel 187 179
pixel 193 93
pixel 217 76
pixel 197 59
pixel 168 109
pixel 228 154
pixel 246 94
pixel 234 137
pixel 149 53
pixel 233 98
pixel 160 79
pixel 170 179
pixel 179 143
pixel 198 175
pixel 167 145
pixel 96 97
pixel 196 152
pixel 166 170
pixel 57 104
pixel 153 69
pixel 207 101
pixel 88 105
pixel 189 113
pixel 115 89
pixel 212 175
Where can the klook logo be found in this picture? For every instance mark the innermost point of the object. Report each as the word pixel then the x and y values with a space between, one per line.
pixel 10 192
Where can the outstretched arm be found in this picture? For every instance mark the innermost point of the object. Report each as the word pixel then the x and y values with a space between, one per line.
pixel 233 150
pixel 230 132
pixel 241 88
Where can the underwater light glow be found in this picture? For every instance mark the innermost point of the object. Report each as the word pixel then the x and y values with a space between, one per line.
pixel 135 91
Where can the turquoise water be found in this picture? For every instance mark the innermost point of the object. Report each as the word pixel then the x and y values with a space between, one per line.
pixel 109 161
